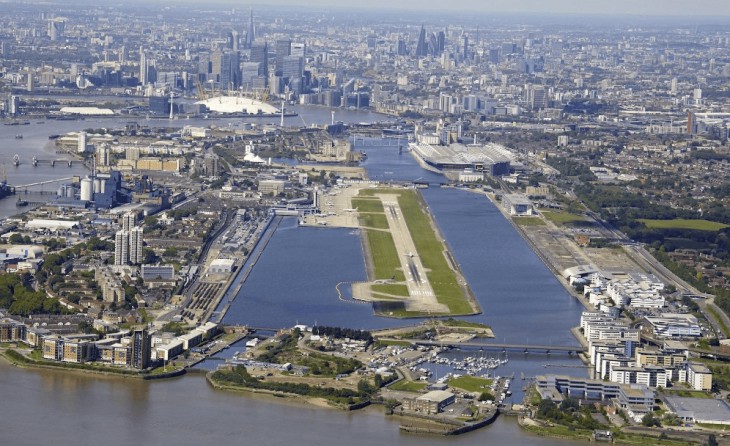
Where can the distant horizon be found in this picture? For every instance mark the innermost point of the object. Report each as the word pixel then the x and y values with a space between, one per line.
pixel 635 8
pixel 707 8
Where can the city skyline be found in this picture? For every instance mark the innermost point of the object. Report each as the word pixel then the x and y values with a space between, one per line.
pixel 573 7
pixel 316 202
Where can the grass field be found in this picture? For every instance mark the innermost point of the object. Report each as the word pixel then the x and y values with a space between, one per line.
pixel 680 223
pixel 465 324
pixel 386 297
pixel 367 205
pixel 470 383
pixel 718 427
pixel 377 221
pixel 562 218
pixel 385 257
pixel 395 289
pixel 687 393
pixel 408 386
pixel 430 250
pixel 528 221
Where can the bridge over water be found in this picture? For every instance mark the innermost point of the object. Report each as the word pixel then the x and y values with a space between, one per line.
pixel 35 161
pixel 41 183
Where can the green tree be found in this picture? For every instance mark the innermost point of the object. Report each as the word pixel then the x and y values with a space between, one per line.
pixel 650 420
pixel 15 239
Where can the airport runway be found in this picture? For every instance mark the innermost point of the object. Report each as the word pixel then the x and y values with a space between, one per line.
pixel 422 297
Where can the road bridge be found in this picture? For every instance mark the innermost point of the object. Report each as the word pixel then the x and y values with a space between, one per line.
pixel 365 140
pixel 40 183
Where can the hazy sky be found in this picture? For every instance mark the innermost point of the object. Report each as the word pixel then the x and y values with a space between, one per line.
pixel 631 7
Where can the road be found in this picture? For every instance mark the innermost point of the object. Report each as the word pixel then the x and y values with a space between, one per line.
pixel 641 257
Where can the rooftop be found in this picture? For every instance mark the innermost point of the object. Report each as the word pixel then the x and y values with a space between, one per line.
pixel 235 104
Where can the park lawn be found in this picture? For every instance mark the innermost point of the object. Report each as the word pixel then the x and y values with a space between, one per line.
pixel 529 221
pixel 388 342
pixel 395 289
pixel 719 427
pixel 470 383
pixel 377 221
pixel 681 223
pixel 166 369
pixel 367 205
pixel 450 322
pixel 408 386
pixel 431 251
pixel 385 257
pixel 560 431
pixel 687 393
pixel 562 218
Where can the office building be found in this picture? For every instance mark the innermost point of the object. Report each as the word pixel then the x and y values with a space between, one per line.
pixel 260 54
pixel 56 29
pixel 536 97
pixel 233 41
pixel 283 49
pixel 421 46
pixel 226 69
pixel 292 71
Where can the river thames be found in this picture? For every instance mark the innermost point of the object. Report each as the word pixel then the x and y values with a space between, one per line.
pixel 519 297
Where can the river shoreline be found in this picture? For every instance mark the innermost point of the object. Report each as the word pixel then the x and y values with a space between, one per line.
pixel 29 363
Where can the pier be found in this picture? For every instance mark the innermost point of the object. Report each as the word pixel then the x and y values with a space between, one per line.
pixel 526 348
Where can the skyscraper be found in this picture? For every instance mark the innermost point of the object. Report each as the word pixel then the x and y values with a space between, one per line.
pixel 129 242
pixel 283 49
pixel 129 220
pixel 298 49
pixel 141 346
pixel 536 97
pixel 56 28
pixel 136 245
pixel 292 71
pixel 226 69
pixel 260 54
pixel 233 40
pixel 250 33
pixel 421 46
pixel 103 155
pixel 121 248
pixel 142 66
pixel 147 70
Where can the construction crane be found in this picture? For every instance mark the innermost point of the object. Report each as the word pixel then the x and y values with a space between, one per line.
pixel 202 94
pixel 262 94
